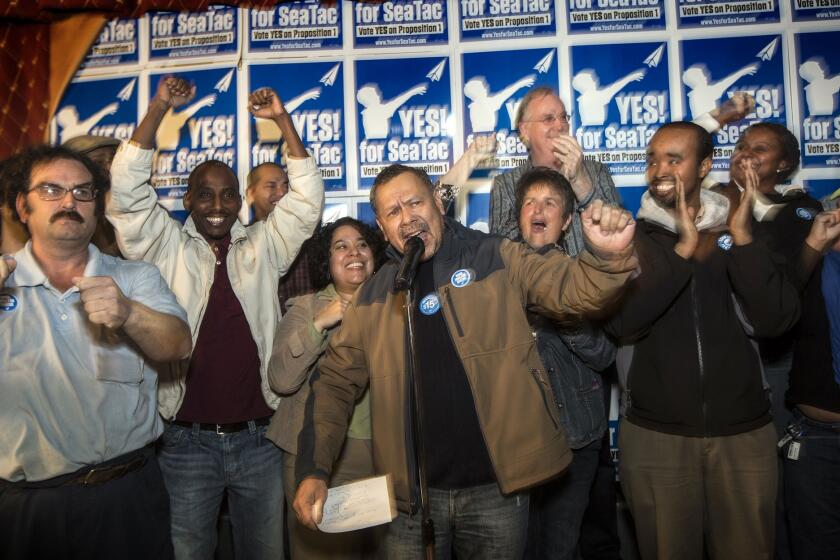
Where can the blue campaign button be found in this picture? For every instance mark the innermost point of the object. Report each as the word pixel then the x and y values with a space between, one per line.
pixel 804 213
pixel 725 242
pixel 461 278
pixel 430 304
pixel 8 302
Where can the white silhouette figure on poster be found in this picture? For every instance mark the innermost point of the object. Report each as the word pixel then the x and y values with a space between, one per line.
pixel 68 119
pixel 704 96
pixel 821 91
pixel 484 106
pixel 268 131
pixel 376 116
pixel 170 126
pixel 592 101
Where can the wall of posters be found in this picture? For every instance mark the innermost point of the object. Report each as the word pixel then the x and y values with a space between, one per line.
pixel 413 81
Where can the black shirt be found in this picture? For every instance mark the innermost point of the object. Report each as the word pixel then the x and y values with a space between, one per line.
pixel 456 454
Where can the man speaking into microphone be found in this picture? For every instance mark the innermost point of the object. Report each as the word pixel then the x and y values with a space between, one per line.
pixel 490 429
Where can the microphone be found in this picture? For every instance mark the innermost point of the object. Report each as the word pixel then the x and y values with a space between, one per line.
pixel 412 252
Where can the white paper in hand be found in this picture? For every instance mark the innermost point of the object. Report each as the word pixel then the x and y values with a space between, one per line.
pixel 359 505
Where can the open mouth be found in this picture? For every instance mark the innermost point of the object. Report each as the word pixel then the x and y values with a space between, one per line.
pixel 215 221
pixel 663 187
pixel 538 226
pixel 355 265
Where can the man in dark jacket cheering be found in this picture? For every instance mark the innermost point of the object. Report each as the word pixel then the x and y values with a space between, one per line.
pixel 490 427
pixel 698 450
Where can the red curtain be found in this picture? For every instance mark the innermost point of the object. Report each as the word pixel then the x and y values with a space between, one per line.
pixel 42 43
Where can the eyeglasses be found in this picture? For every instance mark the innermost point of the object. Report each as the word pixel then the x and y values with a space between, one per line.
pixel 82 193
pixel 548 120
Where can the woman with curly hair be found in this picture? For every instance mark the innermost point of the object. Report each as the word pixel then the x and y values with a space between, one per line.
pixel 342 255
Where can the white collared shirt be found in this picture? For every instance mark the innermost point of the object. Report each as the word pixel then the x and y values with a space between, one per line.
pixel 73 393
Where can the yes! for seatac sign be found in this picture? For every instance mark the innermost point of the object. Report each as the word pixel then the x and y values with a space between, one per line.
pixel 305 24
pixel 399 23
pixel 712 70
pixel 818 82
pixel 315 101
pixel 193 34
pixel 97 107
pixel 492 19
pixel 403 115
pixel 621 99
pixel 201 130
pixel 615 15
pixel 494 85
pixel 116 44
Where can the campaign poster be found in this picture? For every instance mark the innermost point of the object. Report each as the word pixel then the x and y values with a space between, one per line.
pixel 494 84
pixel 631 198
pixel 705 13
pixel 335 209
pixel 712 70
pixel 399 23
pixel 478 211
pixel 314 99
pixel 365 213
pixel 818 82
pixel 819 10
pixel 588 16
pixel 98 107
pixel 491 19
pixel 203 129
pixel 211 33
pixel 404 115
pixel 305 24
pixel 825 190
pixel 117 44
pixel 621 98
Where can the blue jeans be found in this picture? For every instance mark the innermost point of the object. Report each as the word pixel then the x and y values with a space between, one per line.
pixel 475 522
pixel 557 508
pixel 812 490
pixel 199 466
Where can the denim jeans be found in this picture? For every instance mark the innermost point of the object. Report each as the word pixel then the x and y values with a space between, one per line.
pixel 475 522
pixel 812 490
pixel 199 466
pixel 557 508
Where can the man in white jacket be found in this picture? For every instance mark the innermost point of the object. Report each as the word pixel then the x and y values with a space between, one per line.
pixel 225 275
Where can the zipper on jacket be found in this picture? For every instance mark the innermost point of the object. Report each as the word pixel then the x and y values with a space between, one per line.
pixel 454 314
pixel 699 350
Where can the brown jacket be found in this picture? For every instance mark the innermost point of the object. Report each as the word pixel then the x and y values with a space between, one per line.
pixel 486 319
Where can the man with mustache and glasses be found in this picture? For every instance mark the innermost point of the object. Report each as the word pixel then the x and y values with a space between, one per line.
pixel 218 403
pixel 698 454
pixel 79 332
pixel 490 427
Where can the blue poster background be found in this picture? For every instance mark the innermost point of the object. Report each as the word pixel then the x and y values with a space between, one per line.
pixel 315 101
pixel 305 24
pixel 201 130
pixel 621 98
pixel 585 16
pixel 178 35
pixel 494 85
pixel 117 44
pixel 818 80
pixel 99 107
pixel 400 23
pixel 713 69
pixel 814 10
pixel 713 13
pixel 478 211
pixel 491 19
pixel 404 115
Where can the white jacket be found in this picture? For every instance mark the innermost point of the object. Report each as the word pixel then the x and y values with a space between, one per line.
pixel 259 254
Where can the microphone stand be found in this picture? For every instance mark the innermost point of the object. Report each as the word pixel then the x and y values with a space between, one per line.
pixel 427 525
